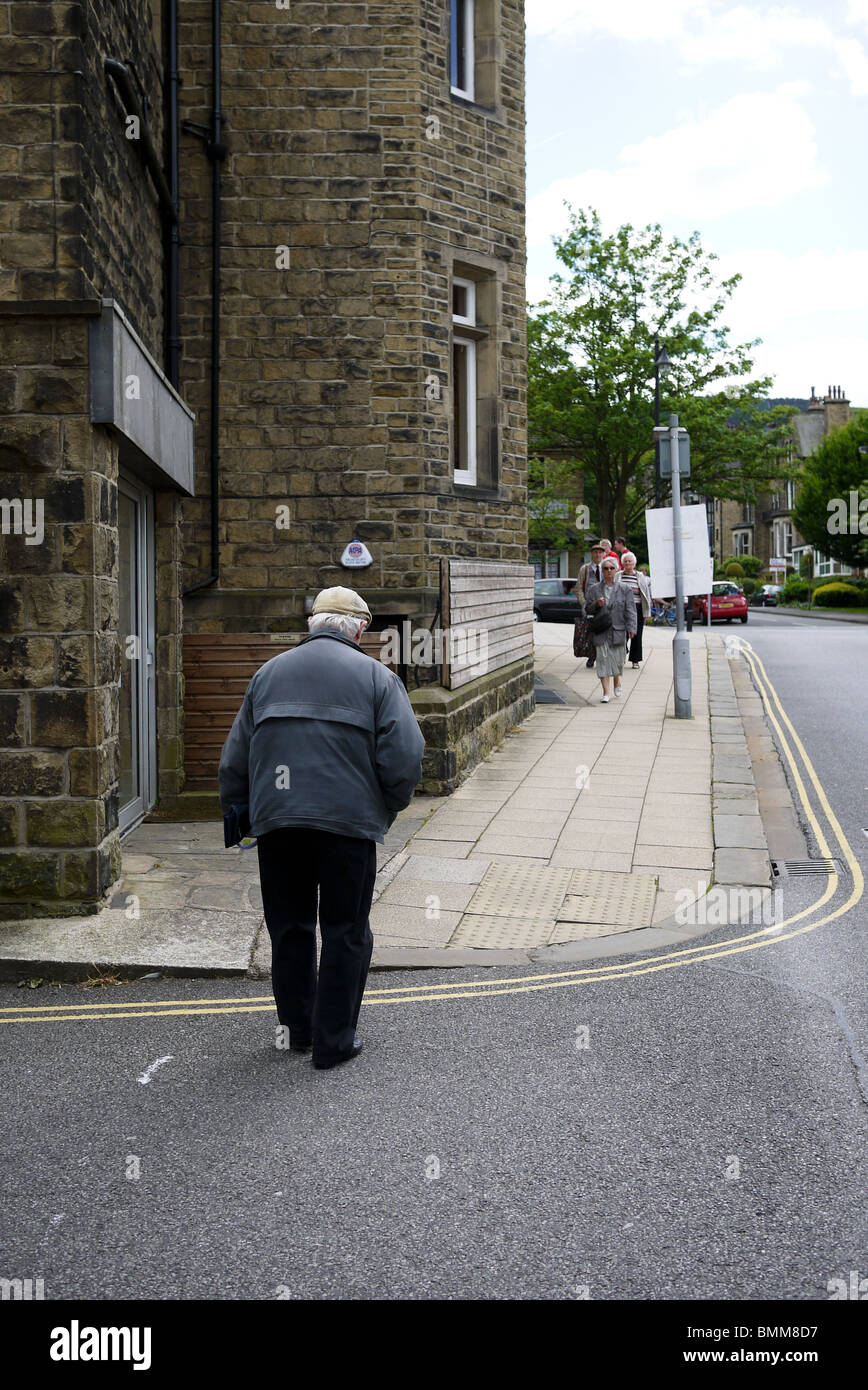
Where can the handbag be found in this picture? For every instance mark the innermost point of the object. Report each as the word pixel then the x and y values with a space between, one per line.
pixel 601 622
pixel 583 640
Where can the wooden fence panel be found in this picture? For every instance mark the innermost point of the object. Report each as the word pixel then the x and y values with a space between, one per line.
pixel 217 671
pixel 487 616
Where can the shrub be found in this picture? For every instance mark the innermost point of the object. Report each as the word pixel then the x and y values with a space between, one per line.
pixel 748 587
pixel 734 570
pixel 837 596
pixel 796 591
pixel 750 564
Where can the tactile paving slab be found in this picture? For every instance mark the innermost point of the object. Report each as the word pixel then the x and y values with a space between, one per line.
pixel 501 933
pixel 531 891
pixel 613 900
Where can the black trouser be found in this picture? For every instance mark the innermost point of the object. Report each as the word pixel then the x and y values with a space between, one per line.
pixel 293 864
pixel 636 644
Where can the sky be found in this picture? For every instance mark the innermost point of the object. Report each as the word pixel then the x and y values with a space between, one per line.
pixel 746 123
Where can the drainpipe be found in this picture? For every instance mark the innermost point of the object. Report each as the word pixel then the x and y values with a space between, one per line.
pixel 216 152
pixel 173 231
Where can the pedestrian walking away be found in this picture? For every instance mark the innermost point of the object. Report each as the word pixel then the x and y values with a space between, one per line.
pixel 591 574
pixel 641 587
pixel 611 608
pixel 323 754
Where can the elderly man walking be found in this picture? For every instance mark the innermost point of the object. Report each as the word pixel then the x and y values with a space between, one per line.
pixel 323 754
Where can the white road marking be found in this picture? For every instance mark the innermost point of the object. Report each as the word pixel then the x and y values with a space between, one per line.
pixel 148 1073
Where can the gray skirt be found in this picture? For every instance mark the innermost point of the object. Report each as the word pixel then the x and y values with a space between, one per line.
pixel 610 659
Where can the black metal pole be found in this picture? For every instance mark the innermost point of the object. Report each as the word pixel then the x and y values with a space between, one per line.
pixel 216 157
pixel 216 152
pixel 173 248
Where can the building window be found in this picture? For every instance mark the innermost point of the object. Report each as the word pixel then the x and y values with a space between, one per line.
pixel 791 493
pixel 462 48
pixel 464 380
pixel 741 542
pixel 824 566
pixel 475 376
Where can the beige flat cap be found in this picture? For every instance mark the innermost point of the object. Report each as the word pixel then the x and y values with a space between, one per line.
pixel 340 600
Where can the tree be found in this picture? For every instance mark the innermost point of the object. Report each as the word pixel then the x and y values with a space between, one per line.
pixel 552 514
pixel 831 509
pixel 591 369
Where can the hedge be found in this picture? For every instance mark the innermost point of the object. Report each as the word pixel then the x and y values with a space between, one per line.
pixel 838 596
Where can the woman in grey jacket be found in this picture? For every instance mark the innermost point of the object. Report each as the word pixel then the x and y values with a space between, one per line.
pixel 611 643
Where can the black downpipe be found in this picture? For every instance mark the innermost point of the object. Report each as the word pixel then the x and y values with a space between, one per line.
pixel 173 231
pixel 216 152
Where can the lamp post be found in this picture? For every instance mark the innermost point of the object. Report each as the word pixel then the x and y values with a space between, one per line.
pixel 662 366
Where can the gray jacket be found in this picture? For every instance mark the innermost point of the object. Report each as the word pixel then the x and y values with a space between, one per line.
pixel 327 738
pixel 622 610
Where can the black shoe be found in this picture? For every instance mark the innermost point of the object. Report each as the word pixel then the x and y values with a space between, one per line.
pixel 347 1057
pixel 590 662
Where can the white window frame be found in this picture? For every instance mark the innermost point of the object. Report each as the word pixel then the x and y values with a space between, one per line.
pixel 467 476
pixel 470 49
pixel 468 319
pixel 741 542
pixel 827 568
pixel 791 493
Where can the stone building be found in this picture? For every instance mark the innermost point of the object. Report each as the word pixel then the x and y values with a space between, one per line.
pixel 261 296
pixel 765 528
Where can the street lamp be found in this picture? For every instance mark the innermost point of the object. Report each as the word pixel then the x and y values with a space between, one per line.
pixel 662 367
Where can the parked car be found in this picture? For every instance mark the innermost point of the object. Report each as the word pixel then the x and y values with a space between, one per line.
pixel 727 603
pixel 555 601
pixel 767 595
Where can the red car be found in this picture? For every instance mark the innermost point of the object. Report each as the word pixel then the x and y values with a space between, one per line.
pixel 727 603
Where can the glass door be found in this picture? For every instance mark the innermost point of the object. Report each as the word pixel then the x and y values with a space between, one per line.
pixel 136 721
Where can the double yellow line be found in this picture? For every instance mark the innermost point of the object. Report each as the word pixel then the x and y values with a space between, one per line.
pixel 562 979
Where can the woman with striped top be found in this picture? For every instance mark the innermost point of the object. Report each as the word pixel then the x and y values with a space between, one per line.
pixel 642 594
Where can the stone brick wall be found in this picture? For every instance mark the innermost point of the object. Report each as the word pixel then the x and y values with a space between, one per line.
pixel 78 220
pixel 59 652
pixel 324 408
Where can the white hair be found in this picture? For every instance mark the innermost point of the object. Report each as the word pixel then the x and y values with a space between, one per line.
pixel 628 555
pixel 344 623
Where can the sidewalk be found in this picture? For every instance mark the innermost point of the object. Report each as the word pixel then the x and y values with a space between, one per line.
pixel 571 840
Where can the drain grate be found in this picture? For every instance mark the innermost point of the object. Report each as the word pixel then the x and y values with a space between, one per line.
pixel 790 868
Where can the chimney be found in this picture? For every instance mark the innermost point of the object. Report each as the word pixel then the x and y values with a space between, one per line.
pixel 814 403
pixel 836 409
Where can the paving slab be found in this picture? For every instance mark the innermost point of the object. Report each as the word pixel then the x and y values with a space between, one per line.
pixel 742 866
pixel 739 832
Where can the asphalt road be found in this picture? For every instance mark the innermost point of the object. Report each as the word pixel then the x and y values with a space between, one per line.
pixel 707 1143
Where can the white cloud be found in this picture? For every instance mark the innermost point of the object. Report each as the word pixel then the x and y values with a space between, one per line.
pixel 754 38
pixel 854 61
pixel 622 19
pixel 857 12
pixel 756 150
pixel 808 310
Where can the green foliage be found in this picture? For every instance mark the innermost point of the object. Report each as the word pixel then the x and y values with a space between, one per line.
pixel 591 370
pixel 551 512
pixel 796 591
pixel 837 596
pixel 748 586
pixel 734 570
pixel 750 564
pixel 831 509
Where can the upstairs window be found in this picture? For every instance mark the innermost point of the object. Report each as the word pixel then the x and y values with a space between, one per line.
pixel 464 381
pixel 462 57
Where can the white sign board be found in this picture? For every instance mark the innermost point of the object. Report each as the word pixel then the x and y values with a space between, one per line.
pixel 694 551
pixel 777 563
